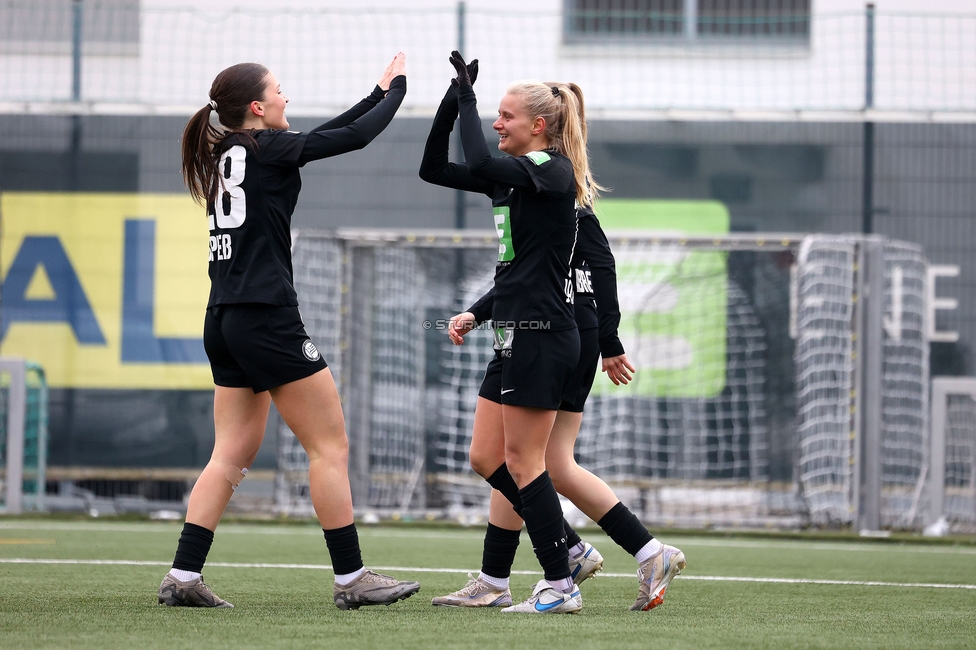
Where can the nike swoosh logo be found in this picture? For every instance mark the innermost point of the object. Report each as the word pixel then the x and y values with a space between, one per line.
pixel 539 607
pixel 510 390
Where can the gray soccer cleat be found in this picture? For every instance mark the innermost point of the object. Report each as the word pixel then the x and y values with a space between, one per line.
pixel 476 593
pixel 586 564
pixel 372 589
pixel 546 600
pixel 193 593
pixel 655 575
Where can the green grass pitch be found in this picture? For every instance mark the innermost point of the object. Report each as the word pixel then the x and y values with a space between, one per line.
pixel 92 584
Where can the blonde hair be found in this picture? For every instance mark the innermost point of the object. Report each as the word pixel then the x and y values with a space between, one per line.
pixel 561 105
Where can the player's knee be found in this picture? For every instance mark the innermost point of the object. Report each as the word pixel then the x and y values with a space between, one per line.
pixel 480 464
pixel 522 468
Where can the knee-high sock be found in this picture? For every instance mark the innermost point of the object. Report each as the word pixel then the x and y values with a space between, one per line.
pixel 344 550
pixel 193 547
pixel 502 481
pixel 499 552
pixel 625 528
pixel 544 520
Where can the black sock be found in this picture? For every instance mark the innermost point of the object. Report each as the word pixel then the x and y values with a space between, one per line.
pixel 502 481
pixel 193 547
pixel 343 546
pixel 625 528
pixel 544 520
pixel 572 537
pixel 499 553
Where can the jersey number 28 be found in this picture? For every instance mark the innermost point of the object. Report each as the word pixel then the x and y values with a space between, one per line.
pixel 230 208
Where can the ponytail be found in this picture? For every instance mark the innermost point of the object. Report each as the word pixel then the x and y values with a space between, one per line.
pixel 562 107
pixel 199 164
pixel 231 95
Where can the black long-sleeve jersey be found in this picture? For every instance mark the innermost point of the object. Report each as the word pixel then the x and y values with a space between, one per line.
pixel 250 222
pixel 533 200
pixel 595 280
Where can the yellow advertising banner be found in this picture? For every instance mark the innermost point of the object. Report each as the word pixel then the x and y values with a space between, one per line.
pixel 106 290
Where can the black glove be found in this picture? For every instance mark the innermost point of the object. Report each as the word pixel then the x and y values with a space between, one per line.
pixel 466 73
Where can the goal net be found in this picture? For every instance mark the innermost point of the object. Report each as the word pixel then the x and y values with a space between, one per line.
pixel 744 410
pixel 952 480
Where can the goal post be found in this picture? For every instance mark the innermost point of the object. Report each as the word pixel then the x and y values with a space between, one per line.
pixel 748 407
pixel 23 435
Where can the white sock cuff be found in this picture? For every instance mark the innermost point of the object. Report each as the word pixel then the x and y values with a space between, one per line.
pixel 648 551
pixel 343 579
pixel 497 583
pixel 184 576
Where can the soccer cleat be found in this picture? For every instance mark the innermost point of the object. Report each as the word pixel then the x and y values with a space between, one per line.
pixel 194 593
pixel 546 600
pixel 586 564
pixel 477 593
pixel 372 589
pixel 655 575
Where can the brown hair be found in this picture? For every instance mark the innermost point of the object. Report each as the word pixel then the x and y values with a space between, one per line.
pixel 231 95
pixel 561 104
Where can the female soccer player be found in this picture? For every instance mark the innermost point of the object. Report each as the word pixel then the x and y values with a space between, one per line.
pixel 533 190
pixel 247 174
pixel 597 318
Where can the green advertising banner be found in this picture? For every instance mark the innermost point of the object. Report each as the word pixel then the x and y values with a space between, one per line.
pixel 672 298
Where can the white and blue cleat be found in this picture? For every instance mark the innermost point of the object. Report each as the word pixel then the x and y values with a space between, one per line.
pixel 586 564
pixel 547 600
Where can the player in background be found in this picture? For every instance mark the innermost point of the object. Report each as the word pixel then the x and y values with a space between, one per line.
pixel 597 318
pixel 247 174
pixel 533 191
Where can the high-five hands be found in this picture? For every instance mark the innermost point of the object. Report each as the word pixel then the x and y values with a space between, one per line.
pixel 467 73
pixel 397 67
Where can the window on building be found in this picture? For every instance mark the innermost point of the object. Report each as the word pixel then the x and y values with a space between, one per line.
pixel 693 20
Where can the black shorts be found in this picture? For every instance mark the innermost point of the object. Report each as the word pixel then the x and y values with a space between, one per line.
pixel 581 381
pixel 258 346
pixel 532 368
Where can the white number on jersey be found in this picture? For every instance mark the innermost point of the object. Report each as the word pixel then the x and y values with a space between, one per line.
pixel 230 208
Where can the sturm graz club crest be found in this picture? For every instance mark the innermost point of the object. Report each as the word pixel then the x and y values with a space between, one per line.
pixel 310 351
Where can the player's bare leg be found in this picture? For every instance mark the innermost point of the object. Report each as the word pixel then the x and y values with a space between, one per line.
pixel 527 432
pixel 587 491
pixel 240 417
pixel 311 409
pixel 487 451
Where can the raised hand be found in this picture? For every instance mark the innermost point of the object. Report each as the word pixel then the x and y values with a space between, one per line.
pixel 463 74
pixel 397 67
